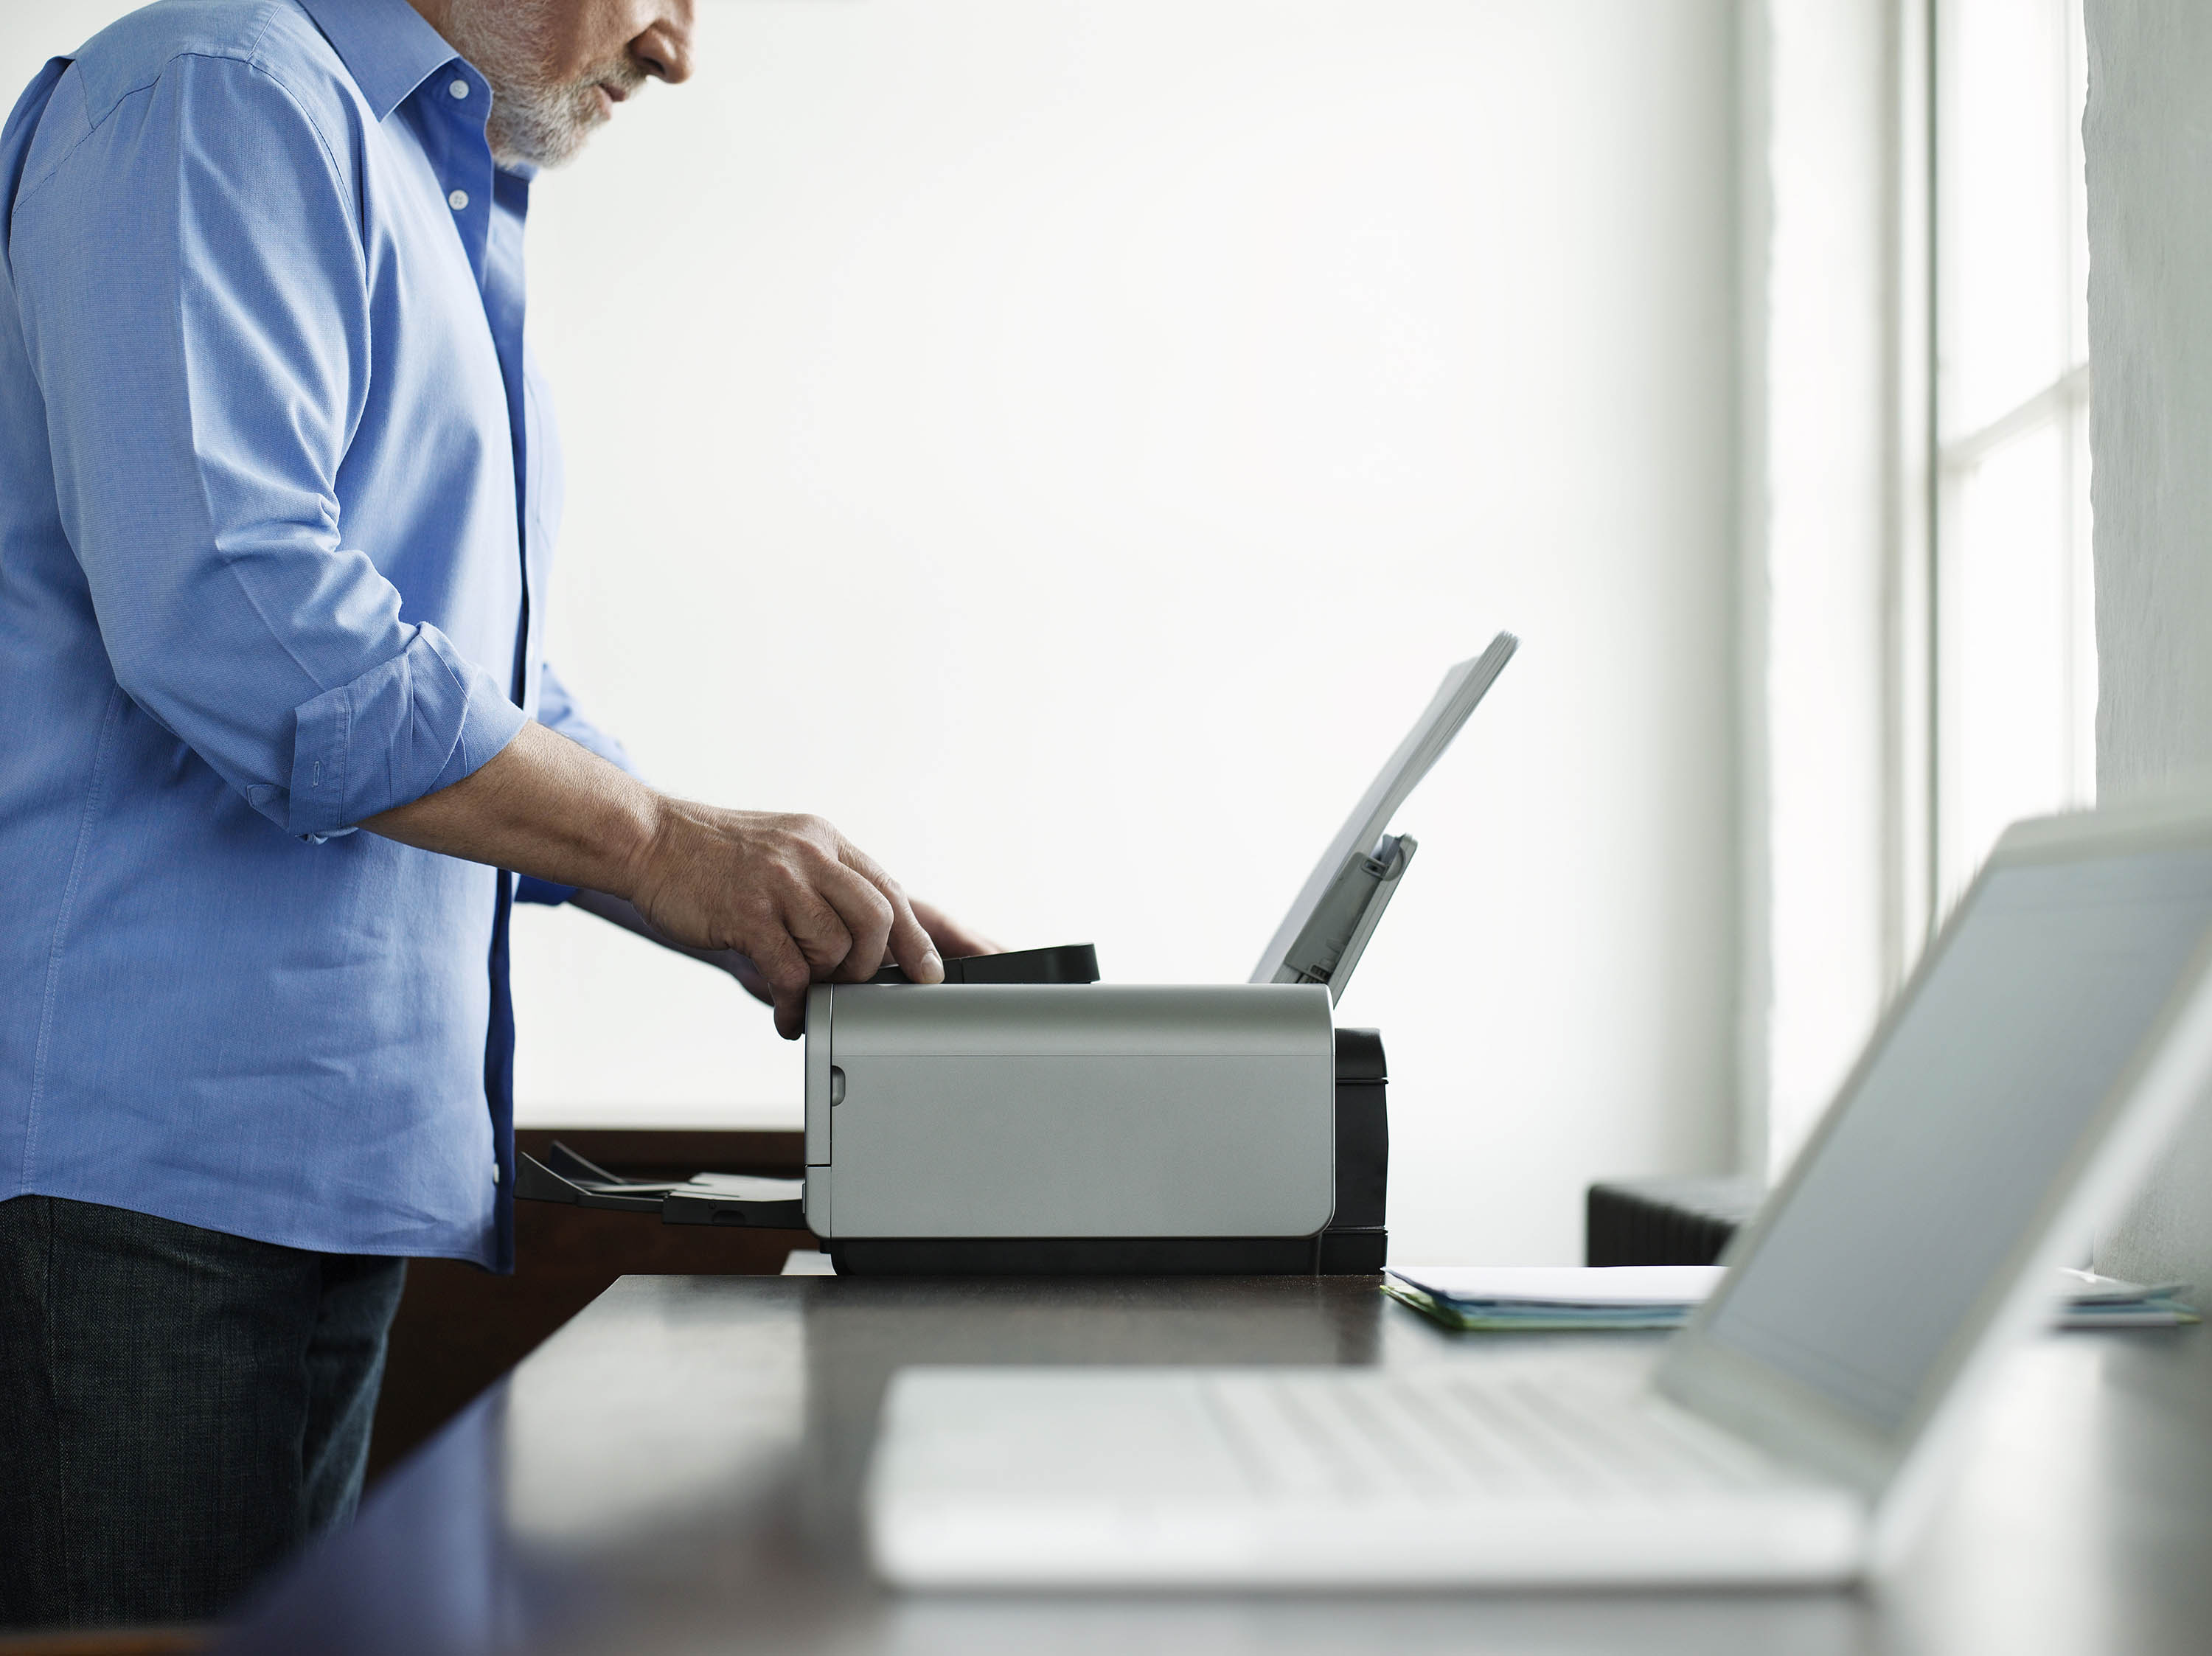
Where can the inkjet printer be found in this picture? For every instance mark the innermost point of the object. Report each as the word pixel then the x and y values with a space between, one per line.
pixel 1022 1117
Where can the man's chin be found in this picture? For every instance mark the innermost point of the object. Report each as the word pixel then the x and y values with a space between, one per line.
pixel 551 129
pixel 544 152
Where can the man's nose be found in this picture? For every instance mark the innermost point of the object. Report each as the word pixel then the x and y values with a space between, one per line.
pixel 664 46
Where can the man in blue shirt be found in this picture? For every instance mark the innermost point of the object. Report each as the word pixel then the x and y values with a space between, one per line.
pixel 278 493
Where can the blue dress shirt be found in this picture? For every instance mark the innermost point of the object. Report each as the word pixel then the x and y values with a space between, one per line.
pixel 278 489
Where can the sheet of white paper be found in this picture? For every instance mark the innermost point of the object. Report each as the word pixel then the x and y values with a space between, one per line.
pixel 743 1186
pixel 1463 686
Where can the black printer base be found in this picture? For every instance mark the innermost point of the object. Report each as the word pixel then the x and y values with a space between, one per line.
pixel 1333 1253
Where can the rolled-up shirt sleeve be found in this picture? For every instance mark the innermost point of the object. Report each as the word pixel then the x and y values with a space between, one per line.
pixel 197 464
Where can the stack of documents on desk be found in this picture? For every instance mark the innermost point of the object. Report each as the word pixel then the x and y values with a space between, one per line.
pixel 1533 1299
pixel 1529 1298
pixel 2094 1301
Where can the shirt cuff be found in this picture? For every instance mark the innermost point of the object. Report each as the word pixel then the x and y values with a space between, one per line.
pixel 529 889
pixel 407 728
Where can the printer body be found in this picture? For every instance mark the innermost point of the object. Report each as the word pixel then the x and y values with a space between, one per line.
pixel 1109 1127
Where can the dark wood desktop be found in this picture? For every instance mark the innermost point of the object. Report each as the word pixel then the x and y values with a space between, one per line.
pixel 679 1469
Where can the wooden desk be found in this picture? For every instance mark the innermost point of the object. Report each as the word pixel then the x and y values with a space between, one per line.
pixel 678 1470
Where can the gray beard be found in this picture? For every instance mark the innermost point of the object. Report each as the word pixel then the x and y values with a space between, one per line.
pixel 544 126
pixel 532 121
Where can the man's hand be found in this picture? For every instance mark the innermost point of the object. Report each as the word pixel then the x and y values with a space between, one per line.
pixel 951 937
pixel 789 893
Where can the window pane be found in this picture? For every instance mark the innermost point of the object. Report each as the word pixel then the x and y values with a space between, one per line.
pixel 2010 646
pixel 2006 152
pixel 2015 669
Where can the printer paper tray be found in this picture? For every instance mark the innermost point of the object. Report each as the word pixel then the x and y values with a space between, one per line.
pixel 710 1199
pixel 564 1176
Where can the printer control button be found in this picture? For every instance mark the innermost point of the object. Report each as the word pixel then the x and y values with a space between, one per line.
pixel 837 1086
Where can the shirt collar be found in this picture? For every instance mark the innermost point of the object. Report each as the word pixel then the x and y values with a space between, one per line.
pixel 387 46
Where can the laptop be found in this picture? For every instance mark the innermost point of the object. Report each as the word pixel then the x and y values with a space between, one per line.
pixel 1795 1431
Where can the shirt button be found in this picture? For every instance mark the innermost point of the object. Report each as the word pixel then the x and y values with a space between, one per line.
pixel 460 88
pixel 458 200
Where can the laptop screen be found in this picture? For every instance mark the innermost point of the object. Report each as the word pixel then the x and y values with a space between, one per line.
pixel 1964 1121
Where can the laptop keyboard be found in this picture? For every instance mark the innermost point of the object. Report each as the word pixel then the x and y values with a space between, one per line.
pixel 1437 1435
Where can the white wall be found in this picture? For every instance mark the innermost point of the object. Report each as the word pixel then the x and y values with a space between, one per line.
pixel 31 34
pixel 1064 442
pixel 2150 338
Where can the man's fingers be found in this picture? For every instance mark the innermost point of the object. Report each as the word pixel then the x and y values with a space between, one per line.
pixel 866 915
pixel 786 976
pixel 816 931
pixel 909 940
pixel 950 937
pixel 741 968
pixel 910 946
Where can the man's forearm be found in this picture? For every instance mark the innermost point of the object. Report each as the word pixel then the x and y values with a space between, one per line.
pixel 787 892
pixel 542 805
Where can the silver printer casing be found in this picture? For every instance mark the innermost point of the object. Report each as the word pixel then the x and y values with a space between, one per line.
pixel 1069 1110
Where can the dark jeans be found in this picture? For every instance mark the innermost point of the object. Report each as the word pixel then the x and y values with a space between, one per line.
pixel 178 1409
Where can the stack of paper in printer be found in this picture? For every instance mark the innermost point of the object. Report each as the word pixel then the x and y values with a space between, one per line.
pixel 1530 1298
